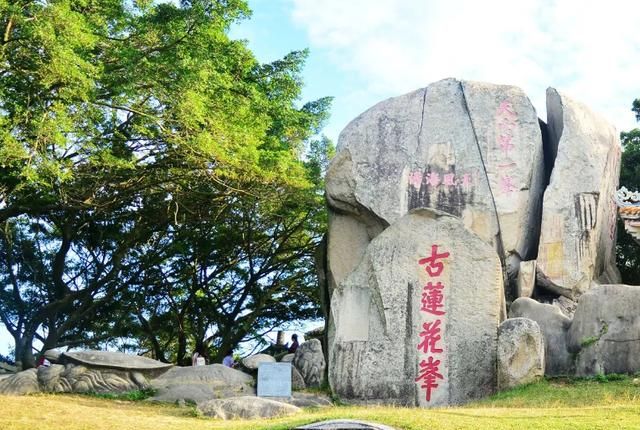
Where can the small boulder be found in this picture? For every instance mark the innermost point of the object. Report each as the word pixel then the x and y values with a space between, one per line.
pixel 297 381
pixel 246 407
pixel 25 382
pixel 201 383
pixel 309 360
pixel 253 361
pixel 53 355
pixel 287 358
pixel 605 328
pixel 520 353
pixel 554 326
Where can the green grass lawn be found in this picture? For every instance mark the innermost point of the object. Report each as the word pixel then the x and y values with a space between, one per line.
pixel 550 404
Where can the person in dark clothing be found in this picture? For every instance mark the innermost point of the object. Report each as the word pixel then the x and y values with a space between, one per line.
pixel 294 344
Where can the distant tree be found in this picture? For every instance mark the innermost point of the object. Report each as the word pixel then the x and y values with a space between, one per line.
pixel 627 249
pixel 129 133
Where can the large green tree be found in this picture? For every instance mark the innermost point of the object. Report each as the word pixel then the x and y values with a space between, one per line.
pixel 134 137
pixel 628 250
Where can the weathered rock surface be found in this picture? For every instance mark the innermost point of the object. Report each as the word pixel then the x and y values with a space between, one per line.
pixel 92 371
pixel 554 326
pixel 304 400
pixel 520 353
pixel 113 360
pixel 253 361
pixel 526 280
pixel 374 353
pixel 309 360
pixel 246 407
pixel 605 332
pixel 297 381
pixel 25 382
pixel 53 355
pixel 201 383
pixel 77 378
pixel 577 243
pixel 288 358
pixel 470 149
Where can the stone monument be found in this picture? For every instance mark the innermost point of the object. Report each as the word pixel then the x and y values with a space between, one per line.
pixel 445 206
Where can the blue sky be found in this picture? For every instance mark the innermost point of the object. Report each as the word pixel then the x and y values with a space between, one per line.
pixel 363 51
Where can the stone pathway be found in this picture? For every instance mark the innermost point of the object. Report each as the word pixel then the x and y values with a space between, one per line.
pixel 344 425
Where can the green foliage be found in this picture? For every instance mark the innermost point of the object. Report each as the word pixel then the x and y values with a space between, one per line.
pixel 154 182
pixel 627 255
pixel 130 396
pixel 588 341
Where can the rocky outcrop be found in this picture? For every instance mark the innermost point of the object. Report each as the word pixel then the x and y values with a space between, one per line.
pixel 520 353
pixel 88 371
pixel 21 383
pixel 246 407
pixel 309 361
pixel 253 361
pixel 554 326
pixel 473 150
pixel 200 383
pixel 478 153
pixel 605 332
pixel 577 242
pixel 416 322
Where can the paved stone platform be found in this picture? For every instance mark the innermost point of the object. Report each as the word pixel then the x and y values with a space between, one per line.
pixel 344 425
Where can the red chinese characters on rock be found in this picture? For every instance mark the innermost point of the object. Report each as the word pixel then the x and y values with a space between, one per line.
pixel 506 123
pixel 431 304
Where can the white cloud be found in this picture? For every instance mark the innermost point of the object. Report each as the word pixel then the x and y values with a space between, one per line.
pixel 588 49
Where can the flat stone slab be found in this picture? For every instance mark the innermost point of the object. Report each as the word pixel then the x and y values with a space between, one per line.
pixel 344 425
pixel 115 360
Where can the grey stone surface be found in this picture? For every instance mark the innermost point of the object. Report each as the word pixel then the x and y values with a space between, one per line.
pixel 21 383
pixel 201 383
pixel 309 360
pixel 288 358
pixel 53 355
pixel 75 378
pixel 376 310
pixel 246 407
pixel 297 381
pixel 345 425
pixel 520 353
pixel 526 280
pixel 554 326
pixel 471 149
pixel 253 361
pixel 309 399
pixel 114 360
pixel 577 243
pixel 605 332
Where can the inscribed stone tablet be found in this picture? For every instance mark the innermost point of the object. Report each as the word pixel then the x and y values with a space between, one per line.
pixel 274 380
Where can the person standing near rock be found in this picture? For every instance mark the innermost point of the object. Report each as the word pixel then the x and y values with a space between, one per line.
pixel 294 344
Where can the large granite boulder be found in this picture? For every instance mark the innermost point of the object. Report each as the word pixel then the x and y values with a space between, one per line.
pixel 520 353
pixel 92 371
pixel 200 383
pixel 246 407
pixel 253 361
pixel 309 360
pixel 605 330
pixel 554 326
pixel 416 322
pixel 21 383
pixel 577 242
pixel 470 149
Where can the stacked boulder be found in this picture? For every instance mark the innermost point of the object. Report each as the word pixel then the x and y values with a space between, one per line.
pixel 446 205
